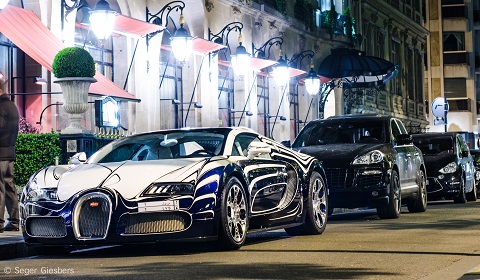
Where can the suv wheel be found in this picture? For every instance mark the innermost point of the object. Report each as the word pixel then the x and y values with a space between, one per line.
pixel 392 209
pixel 419 203
pixel 472 196
pixel 462 197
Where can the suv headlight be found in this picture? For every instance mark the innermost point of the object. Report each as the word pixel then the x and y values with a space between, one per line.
pixel 369 158
pixel 449 168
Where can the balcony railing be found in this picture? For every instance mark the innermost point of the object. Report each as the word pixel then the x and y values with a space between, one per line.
pixel 456 11
pixel 460 57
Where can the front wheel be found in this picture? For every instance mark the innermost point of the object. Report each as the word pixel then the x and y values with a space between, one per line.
pixel 419 204
pixel 234 216
pixel 392 209
pixel 472 196
pixel 316 209
pixel 462 196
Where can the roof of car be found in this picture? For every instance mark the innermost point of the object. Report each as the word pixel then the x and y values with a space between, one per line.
pixel 359 117
pixel 434 134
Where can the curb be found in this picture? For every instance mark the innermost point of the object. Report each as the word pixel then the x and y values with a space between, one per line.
pixel 15 250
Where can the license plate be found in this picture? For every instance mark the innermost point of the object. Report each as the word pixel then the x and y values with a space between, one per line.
pixel 155 206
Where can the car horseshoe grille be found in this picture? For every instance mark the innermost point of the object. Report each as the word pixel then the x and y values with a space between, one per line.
pixel 92 216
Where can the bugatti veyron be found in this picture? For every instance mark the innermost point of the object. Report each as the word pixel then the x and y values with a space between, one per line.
pixel 187 184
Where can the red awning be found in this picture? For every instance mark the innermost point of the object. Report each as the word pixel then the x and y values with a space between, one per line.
pixel 200 46
pixel 295 72
pixel 127 26
pixel 256 64
pixel 27 32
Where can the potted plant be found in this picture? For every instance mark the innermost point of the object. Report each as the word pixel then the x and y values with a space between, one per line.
pixel 74 69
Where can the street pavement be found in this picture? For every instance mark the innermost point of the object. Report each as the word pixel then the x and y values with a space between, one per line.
pixel 12 246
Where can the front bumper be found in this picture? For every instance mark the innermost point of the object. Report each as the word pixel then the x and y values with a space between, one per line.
pixel 358 187
pixel 444 185
pixel 92 219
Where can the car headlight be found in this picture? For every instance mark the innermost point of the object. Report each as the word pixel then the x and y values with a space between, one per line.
pixel 449 168
pixel 369 158
pixel 42 195
pixel 169 189
pixel 33 194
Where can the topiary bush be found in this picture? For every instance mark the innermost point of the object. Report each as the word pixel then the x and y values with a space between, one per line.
pixel 34 151
pixel 73 62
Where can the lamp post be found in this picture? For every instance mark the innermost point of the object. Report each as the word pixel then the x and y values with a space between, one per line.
pixel 3 4
pixel 102 20
pixel 181 41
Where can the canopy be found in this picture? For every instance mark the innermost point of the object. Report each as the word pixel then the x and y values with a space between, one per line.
pixel 27 32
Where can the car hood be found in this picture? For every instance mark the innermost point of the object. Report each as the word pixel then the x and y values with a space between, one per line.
pixel 339 155
pixel 127 178
pixel 434 162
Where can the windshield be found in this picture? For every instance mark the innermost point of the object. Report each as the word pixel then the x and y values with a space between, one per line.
pixel 435 146
pixel 341 132
pixel 156 146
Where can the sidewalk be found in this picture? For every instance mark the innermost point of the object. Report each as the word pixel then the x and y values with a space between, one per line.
pixel 12 245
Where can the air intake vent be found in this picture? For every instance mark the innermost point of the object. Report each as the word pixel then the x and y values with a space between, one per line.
pixel 46 227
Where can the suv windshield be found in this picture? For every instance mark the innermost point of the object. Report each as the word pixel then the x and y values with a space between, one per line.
pixel 435 146
pixel 341 132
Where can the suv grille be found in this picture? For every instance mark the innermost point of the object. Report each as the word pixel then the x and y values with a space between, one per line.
pixel 339 177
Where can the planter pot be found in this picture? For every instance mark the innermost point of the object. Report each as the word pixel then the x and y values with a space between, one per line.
pixel 75 93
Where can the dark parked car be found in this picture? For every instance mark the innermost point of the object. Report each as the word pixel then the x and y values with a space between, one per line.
pixel 450 169
pixel 369 161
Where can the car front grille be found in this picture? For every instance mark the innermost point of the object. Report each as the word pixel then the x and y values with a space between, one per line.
pixel 159 222
pixel 92 216
pixel 339 177
pixel 46 227
pixel 371 180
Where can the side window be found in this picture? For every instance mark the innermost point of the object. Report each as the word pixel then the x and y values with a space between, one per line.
pixel 240 145
pixel 461 143
pixel 397 129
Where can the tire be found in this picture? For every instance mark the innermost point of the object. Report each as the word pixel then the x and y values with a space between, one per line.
pixel 419 204
pixel 472 196
pixel 392 209
pixel 462 197
pixel 316 209
pixel 233 216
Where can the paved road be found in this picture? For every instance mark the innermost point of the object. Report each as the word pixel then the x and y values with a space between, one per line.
pixel 442 243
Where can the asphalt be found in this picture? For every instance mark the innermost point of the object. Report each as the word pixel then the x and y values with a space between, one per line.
pixel 12 246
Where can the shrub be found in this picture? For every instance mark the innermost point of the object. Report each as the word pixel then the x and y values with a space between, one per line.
pixel 73 62
pixel 34 151
pixel 25 126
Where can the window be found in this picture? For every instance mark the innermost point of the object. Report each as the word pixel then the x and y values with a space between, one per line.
pixel 455 87
pixel 453 41
pixel 241 143
pixel 395 58
pixel 263 102
pixel 226 100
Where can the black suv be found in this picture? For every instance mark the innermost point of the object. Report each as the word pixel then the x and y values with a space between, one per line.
pixel 450 167
pixel 369 160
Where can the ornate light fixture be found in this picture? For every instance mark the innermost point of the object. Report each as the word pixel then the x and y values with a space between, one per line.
pixel 3 4
pixel 281 74
pixel 102 20
pixel 312 81
pixel 181 41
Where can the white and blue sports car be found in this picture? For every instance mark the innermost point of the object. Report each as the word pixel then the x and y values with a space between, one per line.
pixel 204 184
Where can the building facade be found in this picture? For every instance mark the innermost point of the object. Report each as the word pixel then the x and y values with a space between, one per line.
pixel 205 91
pixel 452 70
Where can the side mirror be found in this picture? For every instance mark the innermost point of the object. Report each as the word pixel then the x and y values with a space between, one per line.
pixel 464 153
pixel 78 158
pixel 404 139
pixel 257 148
pixel 286 143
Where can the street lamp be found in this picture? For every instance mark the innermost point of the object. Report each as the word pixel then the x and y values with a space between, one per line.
pixel 312 81
pixel 181 41
pixel 102 20
pixel 3 4
pixel 281 74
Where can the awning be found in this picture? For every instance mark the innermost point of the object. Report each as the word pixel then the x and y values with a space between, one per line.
pixel 129 26
pixel 27 32
pixel 200 46
pixel 356 68
pixel 256 64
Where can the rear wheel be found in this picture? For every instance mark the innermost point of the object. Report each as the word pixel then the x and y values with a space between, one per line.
pixel 419 204
pixel 234 216
pixel 316 208
pixel 392 209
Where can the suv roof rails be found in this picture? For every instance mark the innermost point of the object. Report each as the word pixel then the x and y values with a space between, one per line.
pixel 355 115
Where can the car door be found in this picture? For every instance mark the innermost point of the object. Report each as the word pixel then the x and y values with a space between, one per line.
pixel 405 155
pixel 267 178
pixel 466 162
